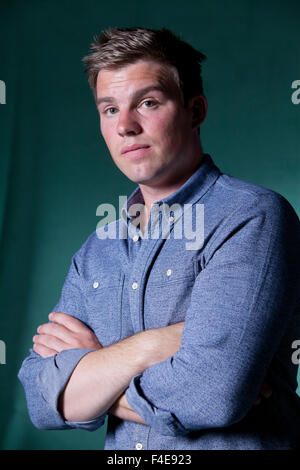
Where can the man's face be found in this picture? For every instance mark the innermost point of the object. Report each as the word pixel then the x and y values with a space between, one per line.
pixel 137 110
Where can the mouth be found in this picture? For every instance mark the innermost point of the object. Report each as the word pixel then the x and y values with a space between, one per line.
pixel 132 148
pixel 135 151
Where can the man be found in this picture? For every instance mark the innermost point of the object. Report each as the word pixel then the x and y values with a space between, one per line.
pixel 174 339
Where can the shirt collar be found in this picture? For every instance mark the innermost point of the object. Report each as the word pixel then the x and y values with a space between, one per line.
pixel 189 193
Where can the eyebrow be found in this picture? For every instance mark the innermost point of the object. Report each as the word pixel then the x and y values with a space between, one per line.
pixel 138 94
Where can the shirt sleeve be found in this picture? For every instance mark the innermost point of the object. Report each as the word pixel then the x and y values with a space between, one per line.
pixel 242 302
pixel 44 379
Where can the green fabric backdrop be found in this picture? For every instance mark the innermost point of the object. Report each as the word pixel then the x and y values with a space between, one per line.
pixel 55 169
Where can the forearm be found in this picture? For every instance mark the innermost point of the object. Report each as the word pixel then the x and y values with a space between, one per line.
pixel 102 376
pixel 167 341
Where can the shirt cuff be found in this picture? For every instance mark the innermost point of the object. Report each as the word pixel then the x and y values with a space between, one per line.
pixel 163 421
pixel 53 379
pixel 87 425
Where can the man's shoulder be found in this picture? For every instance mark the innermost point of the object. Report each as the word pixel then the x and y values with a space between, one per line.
pixel 244 188
pixel 242 193
pixel 236 203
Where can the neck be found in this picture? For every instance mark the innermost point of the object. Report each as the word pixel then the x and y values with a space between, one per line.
pixel 152 194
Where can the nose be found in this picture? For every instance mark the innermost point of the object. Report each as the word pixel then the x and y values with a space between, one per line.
pixel 128 123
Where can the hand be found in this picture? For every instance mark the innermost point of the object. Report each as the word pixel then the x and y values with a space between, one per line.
pixel 66 332
pixel 265 392
pixel 123 410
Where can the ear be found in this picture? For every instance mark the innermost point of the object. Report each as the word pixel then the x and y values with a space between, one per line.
pixel 198 105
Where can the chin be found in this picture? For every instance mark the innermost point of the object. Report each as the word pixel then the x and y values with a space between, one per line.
pixel 142 174
pixel 139 178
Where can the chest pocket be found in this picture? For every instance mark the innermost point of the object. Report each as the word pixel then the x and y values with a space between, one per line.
pixel 168 294
pixel 103 306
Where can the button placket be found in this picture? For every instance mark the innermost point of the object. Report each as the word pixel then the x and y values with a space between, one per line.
pixel 136 282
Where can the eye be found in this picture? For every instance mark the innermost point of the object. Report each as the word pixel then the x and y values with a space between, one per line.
pixel 151 102
pixel 109 109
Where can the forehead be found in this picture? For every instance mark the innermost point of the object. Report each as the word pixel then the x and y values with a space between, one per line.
pixel 130 77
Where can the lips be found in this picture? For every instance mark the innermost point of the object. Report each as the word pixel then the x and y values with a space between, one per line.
pixel 130 148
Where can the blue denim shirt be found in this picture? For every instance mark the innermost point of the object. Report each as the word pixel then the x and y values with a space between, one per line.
pixel 237 292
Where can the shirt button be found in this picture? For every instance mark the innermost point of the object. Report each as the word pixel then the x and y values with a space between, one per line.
pixel 169 272
pixel 95 285
pixel 139 446
pixel 134 285
pixel 135 238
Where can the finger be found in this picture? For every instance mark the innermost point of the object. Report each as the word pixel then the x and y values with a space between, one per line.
pixel 59 331
pixel 43 350
pixel 68 321
pixel 51 342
